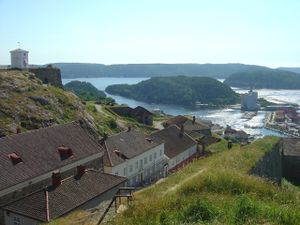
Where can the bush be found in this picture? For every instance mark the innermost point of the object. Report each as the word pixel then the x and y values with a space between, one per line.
pixel 246 210
pixel 200 210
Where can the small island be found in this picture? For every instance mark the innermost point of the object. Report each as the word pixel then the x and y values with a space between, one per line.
pixel 180 90
pixel 87 92
pixel 271 79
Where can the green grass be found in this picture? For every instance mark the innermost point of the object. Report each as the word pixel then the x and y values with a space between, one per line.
pixel 217 190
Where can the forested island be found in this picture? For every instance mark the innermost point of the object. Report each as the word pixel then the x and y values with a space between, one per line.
pixel 87 92
pixel 273 79
pixel 180 90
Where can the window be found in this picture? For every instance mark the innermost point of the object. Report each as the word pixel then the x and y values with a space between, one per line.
pixel 148 171
pixel 136 165
pixel 16 220
pixel 154 155
pixel 125 171
pixel 130 168
pixel 145 160
pixel 150 158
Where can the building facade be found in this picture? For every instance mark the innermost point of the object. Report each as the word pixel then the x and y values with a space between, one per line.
pixel 133 155
pixel 249 101
pixel 19 58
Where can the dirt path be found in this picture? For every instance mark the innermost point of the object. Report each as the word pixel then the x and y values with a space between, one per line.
pixel 174 188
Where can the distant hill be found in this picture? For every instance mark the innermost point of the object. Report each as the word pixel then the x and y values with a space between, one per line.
pixel 291 69
pixel 180 90
pixel 76 70
pixel 272 79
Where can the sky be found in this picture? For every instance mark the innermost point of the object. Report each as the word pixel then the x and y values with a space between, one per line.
pixel 261 32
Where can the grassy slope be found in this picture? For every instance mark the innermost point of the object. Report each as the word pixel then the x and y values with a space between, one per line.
pixel 217 190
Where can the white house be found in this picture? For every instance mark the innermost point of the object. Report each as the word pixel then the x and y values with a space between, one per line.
pixel 180 148
pixel 19 58
pixel 133 155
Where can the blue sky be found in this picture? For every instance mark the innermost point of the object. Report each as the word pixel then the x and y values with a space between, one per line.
pixel 262 32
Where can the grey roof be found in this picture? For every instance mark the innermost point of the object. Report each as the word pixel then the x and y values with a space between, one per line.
pixel 140 111
pixel 19 50
pixel 189 126
pixel 291 146
pixel 54 202
pixel 39 154
pixel 129 144
pixel 175 141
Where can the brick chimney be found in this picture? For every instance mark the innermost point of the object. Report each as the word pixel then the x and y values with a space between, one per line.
pixel 56 179
pixel 181 130
pixel 80 171
pixel 64 152
pixel 15 158
pixel 194 119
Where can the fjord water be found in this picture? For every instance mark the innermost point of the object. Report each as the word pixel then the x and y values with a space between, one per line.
pixel 232 117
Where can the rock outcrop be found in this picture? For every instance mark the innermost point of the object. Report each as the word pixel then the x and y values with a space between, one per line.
pixel 26 103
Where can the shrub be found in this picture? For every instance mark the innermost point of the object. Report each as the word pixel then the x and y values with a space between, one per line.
pixel 246 210
pixel 200 210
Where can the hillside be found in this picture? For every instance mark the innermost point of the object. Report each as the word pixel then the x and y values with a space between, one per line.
pixel 178 90
pixel 27 104
pixel 273 79
pixel 291 69
pixel 76 70
pixel 216 190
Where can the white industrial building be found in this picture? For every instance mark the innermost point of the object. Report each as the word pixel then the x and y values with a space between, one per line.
pixel 249 101
pixel 19 58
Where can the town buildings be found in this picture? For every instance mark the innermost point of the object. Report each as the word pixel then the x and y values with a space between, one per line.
pixel 49 172
pixel 133 155
pixel 193 127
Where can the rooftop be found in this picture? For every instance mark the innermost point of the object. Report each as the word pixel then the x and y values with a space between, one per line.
pixel 38 152
pixel 19 50
pixel 50 203
pixel 175 141
pixel 126 145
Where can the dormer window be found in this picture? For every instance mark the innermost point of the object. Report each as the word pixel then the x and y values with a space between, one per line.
pixel 64 152
pixel 15 158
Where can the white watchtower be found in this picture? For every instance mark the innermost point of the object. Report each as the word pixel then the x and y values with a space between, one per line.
pixel 19 58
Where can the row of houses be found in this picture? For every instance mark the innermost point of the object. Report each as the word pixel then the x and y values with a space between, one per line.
pixel 47 173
